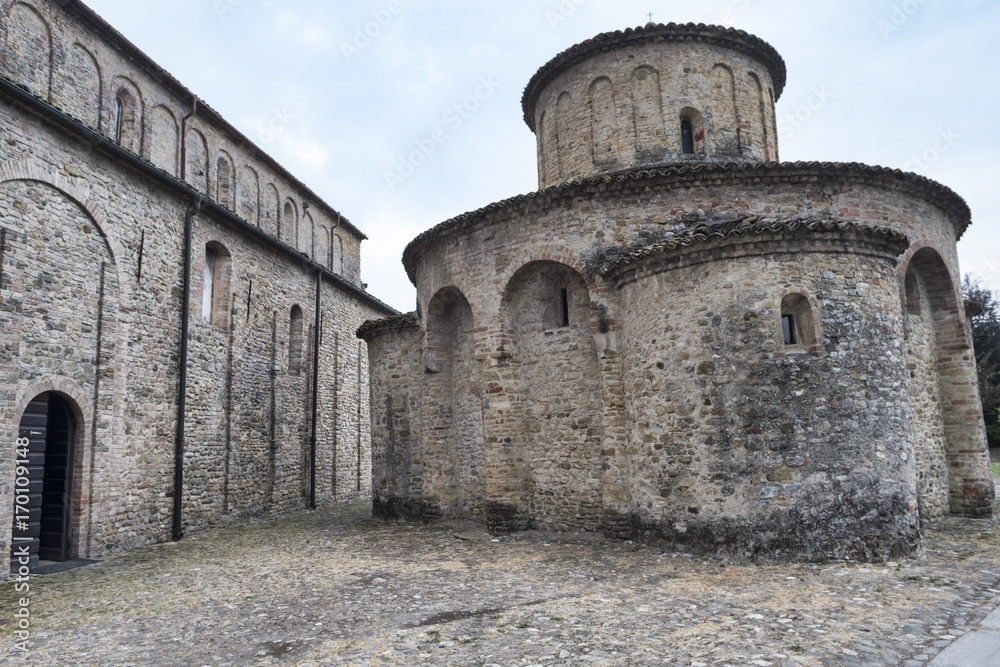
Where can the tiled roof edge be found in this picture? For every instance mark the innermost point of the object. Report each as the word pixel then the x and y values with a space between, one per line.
pixel 679 176
pixel 897 242
pixel 373 328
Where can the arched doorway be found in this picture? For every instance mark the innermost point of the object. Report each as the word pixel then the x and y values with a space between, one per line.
pixel 49 427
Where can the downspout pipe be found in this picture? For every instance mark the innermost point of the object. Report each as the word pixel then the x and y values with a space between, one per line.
pixel 178 526
pixel 315 392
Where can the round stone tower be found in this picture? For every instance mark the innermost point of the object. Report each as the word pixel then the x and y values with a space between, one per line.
pixel 686 341
pixel 662 94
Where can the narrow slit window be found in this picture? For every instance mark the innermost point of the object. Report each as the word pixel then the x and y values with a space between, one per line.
pixel 687 137
pixel 564 297
pixel 206 297
pixel 788 325
pixel 119 119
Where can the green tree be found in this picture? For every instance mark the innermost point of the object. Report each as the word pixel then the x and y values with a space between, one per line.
pixel 984 307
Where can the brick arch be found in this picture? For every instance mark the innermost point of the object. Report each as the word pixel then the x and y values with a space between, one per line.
pixel 452 401
pixel 907 257
pixel 449 292
pixel 547 254
pixel 225 181
pixel 944 294
pixel 289 223
pixel 512 287
pixel 306 240
pixel 603 120
pixel 134 123
pixel 962 454
pixel 78 400
pixel 164 149
pixel 81 490
pixel 83 89
pixel 27 170
pixel 49 46
pixel 598 320
pixel 216 303
pixel 796 300
pixel 646 83
pixel 548 354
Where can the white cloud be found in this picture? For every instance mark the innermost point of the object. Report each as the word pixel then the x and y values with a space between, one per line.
pixel 355 117
pixel 311 154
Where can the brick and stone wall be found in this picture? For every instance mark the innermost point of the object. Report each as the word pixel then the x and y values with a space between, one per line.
pixel 586 406
pixel 618 101
pixel 741 443
pixel 397 456
pixel 66 55
pixel 91 287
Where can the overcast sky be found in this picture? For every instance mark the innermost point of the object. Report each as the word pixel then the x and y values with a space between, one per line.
pixel 911 84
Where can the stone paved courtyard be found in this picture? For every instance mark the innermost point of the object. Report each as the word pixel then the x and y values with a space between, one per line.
pixel 334 587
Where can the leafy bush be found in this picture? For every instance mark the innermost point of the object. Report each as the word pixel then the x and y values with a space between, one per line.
pixel 985 309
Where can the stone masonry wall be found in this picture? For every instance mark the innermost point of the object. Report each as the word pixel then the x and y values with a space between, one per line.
pixel 586 227
pixel 929 440
pixel 452 405
pixel 560 394
pixel 623 109
pixel 397 457
pixel 67 208
pixel 739 445
pixel 81 66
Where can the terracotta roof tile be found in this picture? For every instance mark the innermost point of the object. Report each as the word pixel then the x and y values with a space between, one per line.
pixel 373 328
pixel 755 226
pixel 677 176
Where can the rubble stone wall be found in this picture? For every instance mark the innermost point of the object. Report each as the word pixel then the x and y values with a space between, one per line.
pixel 624 108
pixel 833 420
pixel 741 443
pixel 83 67
pixel 91 287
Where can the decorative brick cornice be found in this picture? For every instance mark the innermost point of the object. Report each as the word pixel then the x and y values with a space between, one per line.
pixel 643 181
pixel 395 324
pixel 760 236
pixel 729 38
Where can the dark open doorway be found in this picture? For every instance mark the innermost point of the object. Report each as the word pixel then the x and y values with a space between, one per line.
pixel 49 427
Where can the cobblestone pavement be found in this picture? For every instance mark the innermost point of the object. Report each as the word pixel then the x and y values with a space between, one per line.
pixel 334 587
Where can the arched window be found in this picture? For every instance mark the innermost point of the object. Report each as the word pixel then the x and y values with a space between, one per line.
pixel 119 118
pixel 216 285
pixel 799 326
pixel 687 137
pixel 693 133
pixel 208 285
pixel 126 124
pixel 295 341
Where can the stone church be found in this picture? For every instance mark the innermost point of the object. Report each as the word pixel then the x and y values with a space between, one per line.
pixel 177 311
pixel 679 337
